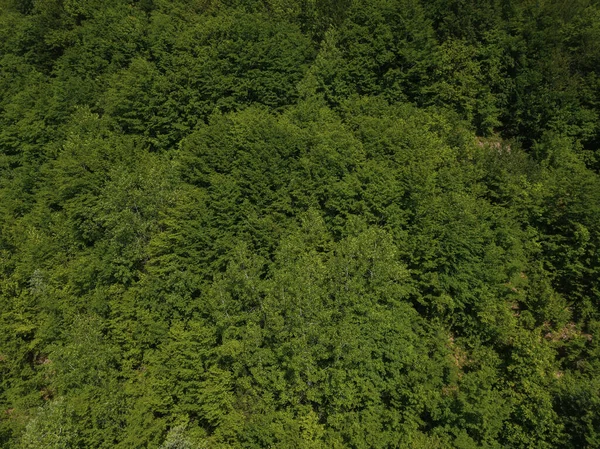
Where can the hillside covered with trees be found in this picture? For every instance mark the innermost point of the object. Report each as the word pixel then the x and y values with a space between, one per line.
pixel 304 224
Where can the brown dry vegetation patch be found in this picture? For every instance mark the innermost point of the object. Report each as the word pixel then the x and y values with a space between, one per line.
pixel 450 390
pixel 459 356
pixel 493 143
pixel 43 360
pixel 568 332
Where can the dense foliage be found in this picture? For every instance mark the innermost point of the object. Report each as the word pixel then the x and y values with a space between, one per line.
pixel 299 224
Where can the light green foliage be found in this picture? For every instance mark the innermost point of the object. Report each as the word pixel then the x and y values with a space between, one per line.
pixel 53 427
pixel 177 438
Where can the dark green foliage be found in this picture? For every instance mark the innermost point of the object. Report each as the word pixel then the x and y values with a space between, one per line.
pixel 194 68
pixel 299 224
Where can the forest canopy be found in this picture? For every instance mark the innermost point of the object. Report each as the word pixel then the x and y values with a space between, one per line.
pixel 299 224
